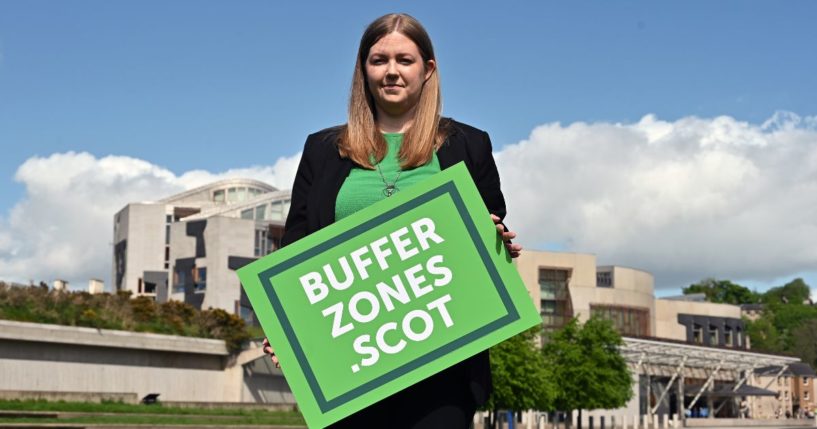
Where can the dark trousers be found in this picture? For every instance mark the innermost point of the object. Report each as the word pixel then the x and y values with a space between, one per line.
pixel 443 401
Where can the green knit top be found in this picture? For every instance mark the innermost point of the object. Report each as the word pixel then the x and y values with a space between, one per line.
pixel 364 187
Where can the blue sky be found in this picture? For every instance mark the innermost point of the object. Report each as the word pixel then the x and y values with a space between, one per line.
pixel 208 85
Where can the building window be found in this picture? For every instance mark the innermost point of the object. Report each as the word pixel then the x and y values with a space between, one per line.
pixel 180 278
pixel 263 243
pixel 259 212
pixel 627 320
pixel 697 334
pixel 805 381
pixel 246 214
pixel 713 335
pixel 231 195
pixel 218 196
pixel 604 279
pixel 553 299
pixel 242 194
pixel 150 287
pixel 806 395
pixel 727 337
pixel 200 279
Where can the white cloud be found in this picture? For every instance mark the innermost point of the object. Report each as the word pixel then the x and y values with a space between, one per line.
pixel 685 200
pixel 64 225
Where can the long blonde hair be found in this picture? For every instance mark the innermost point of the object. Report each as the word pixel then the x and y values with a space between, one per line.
pixel 361 140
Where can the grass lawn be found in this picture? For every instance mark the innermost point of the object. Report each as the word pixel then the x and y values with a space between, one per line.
pixel 164 420
pixel 148 414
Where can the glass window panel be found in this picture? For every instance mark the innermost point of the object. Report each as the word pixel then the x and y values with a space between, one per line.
pixel 270 244
pixel 201 280
pixel 242 194
pixel 218 196
pixel 727 337
pixel 231 195
pixel 547 290
pixel 548 307
pixel 697 335
pixel 246 214
pixel 259 212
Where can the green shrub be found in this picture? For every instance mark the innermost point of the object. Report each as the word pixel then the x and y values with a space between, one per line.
pixel 119 311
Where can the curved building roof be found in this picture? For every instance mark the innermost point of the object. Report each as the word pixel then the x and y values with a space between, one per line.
pixel 235 208
pixel 204 194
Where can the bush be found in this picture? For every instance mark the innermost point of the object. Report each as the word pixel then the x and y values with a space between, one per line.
pixel 119 311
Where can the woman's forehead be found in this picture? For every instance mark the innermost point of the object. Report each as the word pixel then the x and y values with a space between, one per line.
pixel 392 43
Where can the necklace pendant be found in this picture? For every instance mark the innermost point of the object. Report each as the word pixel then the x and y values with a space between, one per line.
pixel 389 190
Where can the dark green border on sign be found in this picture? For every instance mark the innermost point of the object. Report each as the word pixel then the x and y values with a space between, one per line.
pixel 446 188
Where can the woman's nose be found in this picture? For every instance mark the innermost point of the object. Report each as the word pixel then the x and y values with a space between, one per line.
pixel 391 69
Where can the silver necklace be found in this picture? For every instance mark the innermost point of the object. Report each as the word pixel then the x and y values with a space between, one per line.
pixel 391 187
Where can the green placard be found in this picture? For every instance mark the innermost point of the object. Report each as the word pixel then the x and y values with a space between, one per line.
pixel 388 296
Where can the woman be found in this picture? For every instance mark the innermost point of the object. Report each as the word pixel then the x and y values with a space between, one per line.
pixel 394 138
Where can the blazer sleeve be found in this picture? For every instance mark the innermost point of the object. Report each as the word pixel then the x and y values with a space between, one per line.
pixel 296 224
pixel 486 176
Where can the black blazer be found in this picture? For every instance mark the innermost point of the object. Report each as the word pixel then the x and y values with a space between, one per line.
pixel 321 174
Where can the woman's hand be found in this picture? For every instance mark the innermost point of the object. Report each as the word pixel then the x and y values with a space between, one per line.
pixel 513 248
pixel 268 350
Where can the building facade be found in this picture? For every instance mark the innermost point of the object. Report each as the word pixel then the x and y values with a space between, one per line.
pixel 187 246
pixel 41 360
pixel 688 357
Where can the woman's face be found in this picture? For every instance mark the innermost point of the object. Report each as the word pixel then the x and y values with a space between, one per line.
pixel 395 73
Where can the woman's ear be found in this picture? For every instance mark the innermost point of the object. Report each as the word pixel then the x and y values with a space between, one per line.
pixel 431 65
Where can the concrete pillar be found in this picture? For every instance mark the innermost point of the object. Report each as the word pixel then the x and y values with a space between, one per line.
pixel 710 404
pixel 681 410
pixel 649 395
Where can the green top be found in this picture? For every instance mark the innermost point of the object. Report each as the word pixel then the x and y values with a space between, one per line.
pixel 364 187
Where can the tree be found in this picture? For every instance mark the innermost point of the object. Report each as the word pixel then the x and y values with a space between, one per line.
pixel 804 343
pixel 520 378
pixel 723 292
pixel 764 334
pixel 793 292
pixel 586 362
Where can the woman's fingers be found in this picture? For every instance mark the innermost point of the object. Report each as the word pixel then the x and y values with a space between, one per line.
pixel 513 248
pixel 268 350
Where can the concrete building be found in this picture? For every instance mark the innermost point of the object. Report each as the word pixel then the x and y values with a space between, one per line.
pixel 96 286
pixel 751 311
pixel 702 323
pixel 50 361
pixel 688 357
pixel 60 285
pixel 564 285
pixel 186 247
